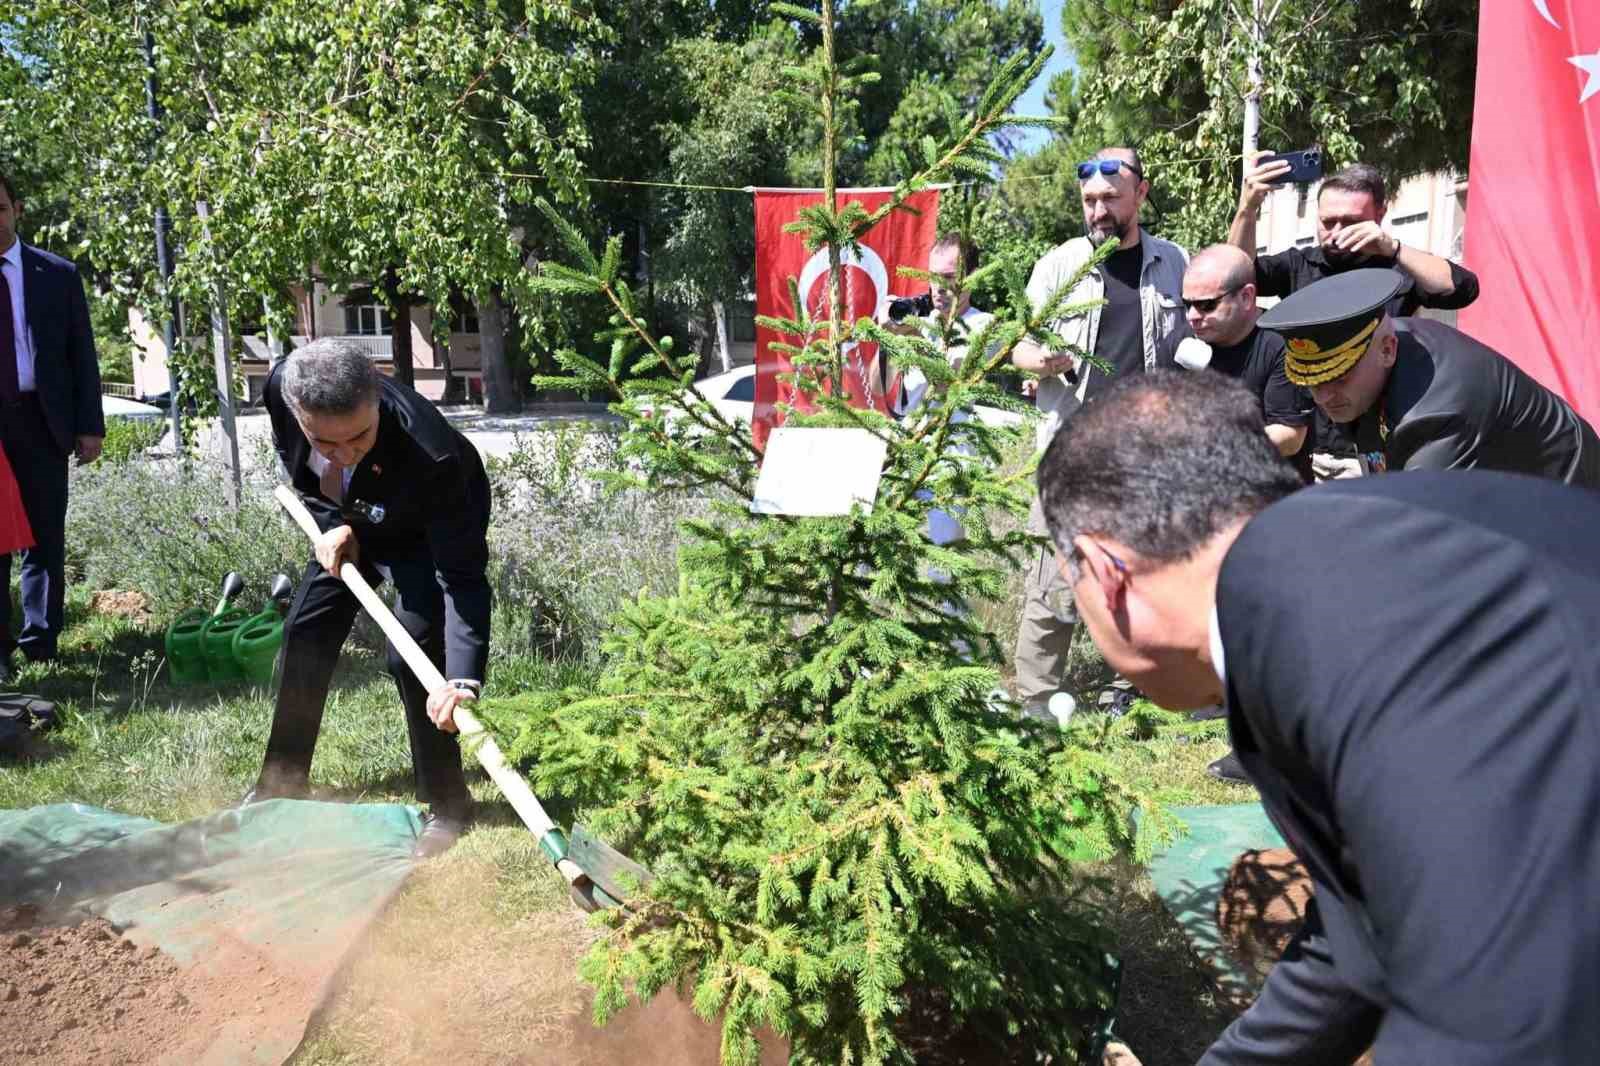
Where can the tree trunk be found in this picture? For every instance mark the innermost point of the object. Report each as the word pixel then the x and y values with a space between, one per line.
pixel 719 312
pixel 405 371
pixel 499 390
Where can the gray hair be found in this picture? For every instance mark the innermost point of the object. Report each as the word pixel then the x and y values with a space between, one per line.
pixel 329 377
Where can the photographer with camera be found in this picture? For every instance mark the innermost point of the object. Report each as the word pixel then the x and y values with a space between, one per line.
pixel 950 258
pixel 1351 206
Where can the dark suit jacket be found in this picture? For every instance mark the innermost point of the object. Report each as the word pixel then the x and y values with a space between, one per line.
pixel 1455 404
pixel 1411 675
pixel 420 492
pixel 65 368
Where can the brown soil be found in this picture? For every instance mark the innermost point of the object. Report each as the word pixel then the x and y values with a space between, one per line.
pixel 131 604
pixel 1261 907
pixel 74 990
pixel 1262 904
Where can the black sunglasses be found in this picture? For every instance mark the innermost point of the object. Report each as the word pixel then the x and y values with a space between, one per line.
pixel 1108 167
pixel 1209 304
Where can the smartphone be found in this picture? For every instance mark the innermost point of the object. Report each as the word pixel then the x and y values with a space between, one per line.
pixel 1304 166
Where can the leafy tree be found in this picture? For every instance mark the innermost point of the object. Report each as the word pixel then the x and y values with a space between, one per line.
pixel 1389 83
pixel 369 138
pixel 842 819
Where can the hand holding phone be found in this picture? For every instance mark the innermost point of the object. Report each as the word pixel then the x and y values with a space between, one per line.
pixel 1305 166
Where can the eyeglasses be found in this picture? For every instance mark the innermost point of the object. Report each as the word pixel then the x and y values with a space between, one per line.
pixel 1108 167
pixel 1209 304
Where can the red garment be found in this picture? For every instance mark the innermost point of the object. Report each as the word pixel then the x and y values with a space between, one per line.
pixel 15 533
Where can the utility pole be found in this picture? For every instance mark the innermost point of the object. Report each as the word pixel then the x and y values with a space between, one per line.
pixel 169 332
pixel 1257 33
pixel 221 343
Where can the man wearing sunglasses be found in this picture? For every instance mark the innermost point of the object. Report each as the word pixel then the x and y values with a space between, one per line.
pixel 1219 300
pixel 1409 670
pixel 1140 284
pixel 1419 395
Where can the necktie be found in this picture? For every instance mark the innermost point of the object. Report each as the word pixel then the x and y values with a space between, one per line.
pixel 333 482
pixel 9 389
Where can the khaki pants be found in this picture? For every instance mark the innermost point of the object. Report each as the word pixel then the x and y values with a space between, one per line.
pixel 1048 620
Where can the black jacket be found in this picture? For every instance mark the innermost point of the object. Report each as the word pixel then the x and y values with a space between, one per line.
pixel 65 369
pixel 420 491
pixel 1455 404
pixel 1411 680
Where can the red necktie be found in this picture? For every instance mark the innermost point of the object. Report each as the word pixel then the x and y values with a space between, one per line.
pixel 9 389
pixel 333 482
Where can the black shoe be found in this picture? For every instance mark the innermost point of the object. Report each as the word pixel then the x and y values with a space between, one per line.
pixel 1228 768
pixel 1208 714
pixel 439 835
pixel 267 788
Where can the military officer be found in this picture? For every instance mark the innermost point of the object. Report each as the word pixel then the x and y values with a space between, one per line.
pixel 400 493
pixel 1421 395
pixel 1409 672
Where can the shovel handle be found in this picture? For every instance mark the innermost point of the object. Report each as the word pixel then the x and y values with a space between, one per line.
pixel 516 790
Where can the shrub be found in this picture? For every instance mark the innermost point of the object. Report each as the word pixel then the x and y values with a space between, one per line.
pixel 164 527
pixel 566 551
pixel 128 438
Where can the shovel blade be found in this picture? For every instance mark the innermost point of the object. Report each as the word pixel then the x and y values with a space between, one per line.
pixel 613 872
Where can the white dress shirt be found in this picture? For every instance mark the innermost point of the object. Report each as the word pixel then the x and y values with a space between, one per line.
pixel 1217 662
pixel 11 263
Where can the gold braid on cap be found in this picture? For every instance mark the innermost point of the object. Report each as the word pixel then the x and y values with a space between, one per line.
pixel 1309 365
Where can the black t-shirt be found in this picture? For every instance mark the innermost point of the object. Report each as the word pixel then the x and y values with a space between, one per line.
pixel 1289 271
pixel 1120 341
pixel 1257 361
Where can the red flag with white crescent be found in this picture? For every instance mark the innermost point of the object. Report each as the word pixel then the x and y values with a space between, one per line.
pixel 902 239
pixel 1533 216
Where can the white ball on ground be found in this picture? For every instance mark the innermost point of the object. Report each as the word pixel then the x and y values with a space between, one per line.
pixel 1062 705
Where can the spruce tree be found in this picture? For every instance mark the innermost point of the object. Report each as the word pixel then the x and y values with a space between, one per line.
pixel 845 826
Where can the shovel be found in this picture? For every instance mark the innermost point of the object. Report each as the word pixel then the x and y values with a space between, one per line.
pixel 593 869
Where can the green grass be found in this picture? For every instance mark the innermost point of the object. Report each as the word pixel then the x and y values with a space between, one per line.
pixel 488 924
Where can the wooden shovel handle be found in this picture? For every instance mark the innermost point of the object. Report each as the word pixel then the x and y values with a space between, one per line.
pixel 516 790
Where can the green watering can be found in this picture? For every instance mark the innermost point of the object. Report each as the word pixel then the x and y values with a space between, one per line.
pixel 186 648
pixel 257 640
pixel 229 644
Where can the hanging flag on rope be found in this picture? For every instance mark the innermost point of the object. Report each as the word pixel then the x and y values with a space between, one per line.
pixel 1533 220
pixel 902 239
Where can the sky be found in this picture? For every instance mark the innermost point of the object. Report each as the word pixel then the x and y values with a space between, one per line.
pixel 1032 101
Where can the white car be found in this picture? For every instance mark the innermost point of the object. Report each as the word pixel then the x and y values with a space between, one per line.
pixel 734 396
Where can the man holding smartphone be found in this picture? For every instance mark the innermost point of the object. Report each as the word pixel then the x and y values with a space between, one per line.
pixel 1351 206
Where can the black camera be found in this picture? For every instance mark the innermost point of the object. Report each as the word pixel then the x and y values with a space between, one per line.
pixel 920 306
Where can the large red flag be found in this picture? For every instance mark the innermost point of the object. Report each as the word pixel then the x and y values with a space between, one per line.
pixel 1533 219
pixel 902 239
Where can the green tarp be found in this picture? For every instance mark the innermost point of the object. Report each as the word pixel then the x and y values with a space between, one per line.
pixel 1190 874
pixel 275 894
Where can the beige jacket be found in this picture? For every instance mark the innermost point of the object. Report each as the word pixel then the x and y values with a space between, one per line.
pixel 1161 307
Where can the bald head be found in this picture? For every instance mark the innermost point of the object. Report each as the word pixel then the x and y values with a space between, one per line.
pixel 1225 264
pixel 1219 292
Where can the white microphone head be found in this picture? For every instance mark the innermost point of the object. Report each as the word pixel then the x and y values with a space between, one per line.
pixel 1193 354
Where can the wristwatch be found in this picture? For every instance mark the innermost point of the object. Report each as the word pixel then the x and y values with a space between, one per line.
pixel 470 687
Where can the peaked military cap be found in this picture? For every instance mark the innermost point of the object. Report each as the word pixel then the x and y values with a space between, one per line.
pixel 1329 324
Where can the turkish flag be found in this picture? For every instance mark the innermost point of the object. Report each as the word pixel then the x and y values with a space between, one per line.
pixel 1533 219
pixel 902 239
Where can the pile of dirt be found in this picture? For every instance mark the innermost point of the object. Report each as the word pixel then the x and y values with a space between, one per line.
pixel 1262 904
pixel 73 989
pixel 121 604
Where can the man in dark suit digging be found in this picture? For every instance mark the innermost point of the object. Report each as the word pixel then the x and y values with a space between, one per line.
pixel 403 495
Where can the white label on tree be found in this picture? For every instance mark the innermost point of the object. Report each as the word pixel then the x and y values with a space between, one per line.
pixel 818 472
